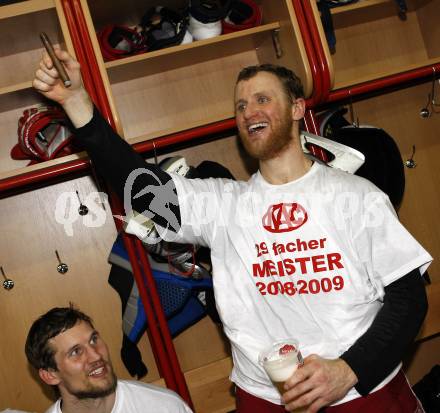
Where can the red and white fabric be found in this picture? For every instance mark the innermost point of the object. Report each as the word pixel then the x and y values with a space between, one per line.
pixel 44 133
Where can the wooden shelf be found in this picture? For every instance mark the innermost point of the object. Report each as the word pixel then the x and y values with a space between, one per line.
pixel 25 7
pixel 364 5
pixel 382 74
pixel 200 43
pixel 15 88
pixel 181 56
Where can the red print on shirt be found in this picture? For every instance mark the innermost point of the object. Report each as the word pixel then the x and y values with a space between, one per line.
pixel 284 217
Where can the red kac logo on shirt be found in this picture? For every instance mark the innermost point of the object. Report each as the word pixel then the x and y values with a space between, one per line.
pixel 284 217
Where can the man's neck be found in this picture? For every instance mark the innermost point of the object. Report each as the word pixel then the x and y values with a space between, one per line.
pixel 288 166
pixel 71 404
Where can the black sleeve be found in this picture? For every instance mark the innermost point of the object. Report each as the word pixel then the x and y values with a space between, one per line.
pixel 381 348
pixel 114 159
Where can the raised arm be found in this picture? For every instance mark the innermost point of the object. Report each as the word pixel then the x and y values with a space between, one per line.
pixel 114 159
pixel 74 100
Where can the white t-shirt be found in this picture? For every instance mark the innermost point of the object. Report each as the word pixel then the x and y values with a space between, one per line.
pixel 138 397
pixel 308 259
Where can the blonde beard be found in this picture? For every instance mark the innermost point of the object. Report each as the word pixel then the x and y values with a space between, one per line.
pixel 278 140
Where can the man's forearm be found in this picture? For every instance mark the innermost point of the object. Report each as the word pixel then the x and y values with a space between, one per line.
pixel 379 350
pixel 79 108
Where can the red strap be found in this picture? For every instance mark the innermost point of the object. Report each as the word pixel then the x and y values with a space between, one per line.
pixel 134 41
pixel 31 128
pixel 317 152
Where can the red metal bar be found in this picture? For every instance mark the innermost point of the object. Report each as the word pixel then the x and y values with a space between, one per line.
pixel 321 57
pixel 43 175
pixel 172 371
pixel 182 387
pixel 155 336
pixel 185 136
pixel 92 63
pixel 383 83
pixel 76 40
pixel 92 79
pixel 102 102
pixel 159 348
pixel 311 57
pixel 90 82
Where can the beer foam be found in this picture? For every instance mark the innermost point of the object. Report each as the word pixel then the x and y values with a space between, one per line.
pixel 281 367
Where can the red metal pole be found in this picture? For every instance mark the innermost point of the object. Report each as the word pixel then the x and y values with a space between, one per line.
pixel 383 83
pixel 92 63
pixel 169 363
pixel 321 57
pixel 157 343
pixel 76 40
pixel 315 98
pixel 89 79
pixel 182 387
pixel 101 101
pixel 185 136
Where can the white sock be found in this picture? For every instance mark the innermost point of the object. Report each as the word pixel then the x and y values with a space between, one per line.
pixel 202 31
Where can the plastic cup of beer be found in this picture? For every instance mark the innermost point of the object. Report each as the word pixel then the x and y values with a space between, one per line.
pixel 280 361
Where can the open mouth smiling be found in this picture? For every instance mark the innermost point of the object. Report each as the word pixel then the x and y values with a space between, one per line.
pixel 257 127
pixel 97 372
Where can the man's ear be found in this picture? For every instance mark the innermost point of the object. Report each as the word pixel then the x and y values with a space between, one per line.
pixel 49 376
pixel 298 109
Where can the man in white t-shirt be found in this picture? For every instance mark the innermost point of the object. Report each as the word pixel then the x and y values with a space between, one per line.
pixel 70 354
pixel 299 250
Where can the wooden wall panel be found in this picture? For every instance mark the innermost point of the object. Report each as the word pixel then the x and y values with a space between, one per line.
pixel 30 236
pixel 423 357
pixel 398 114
